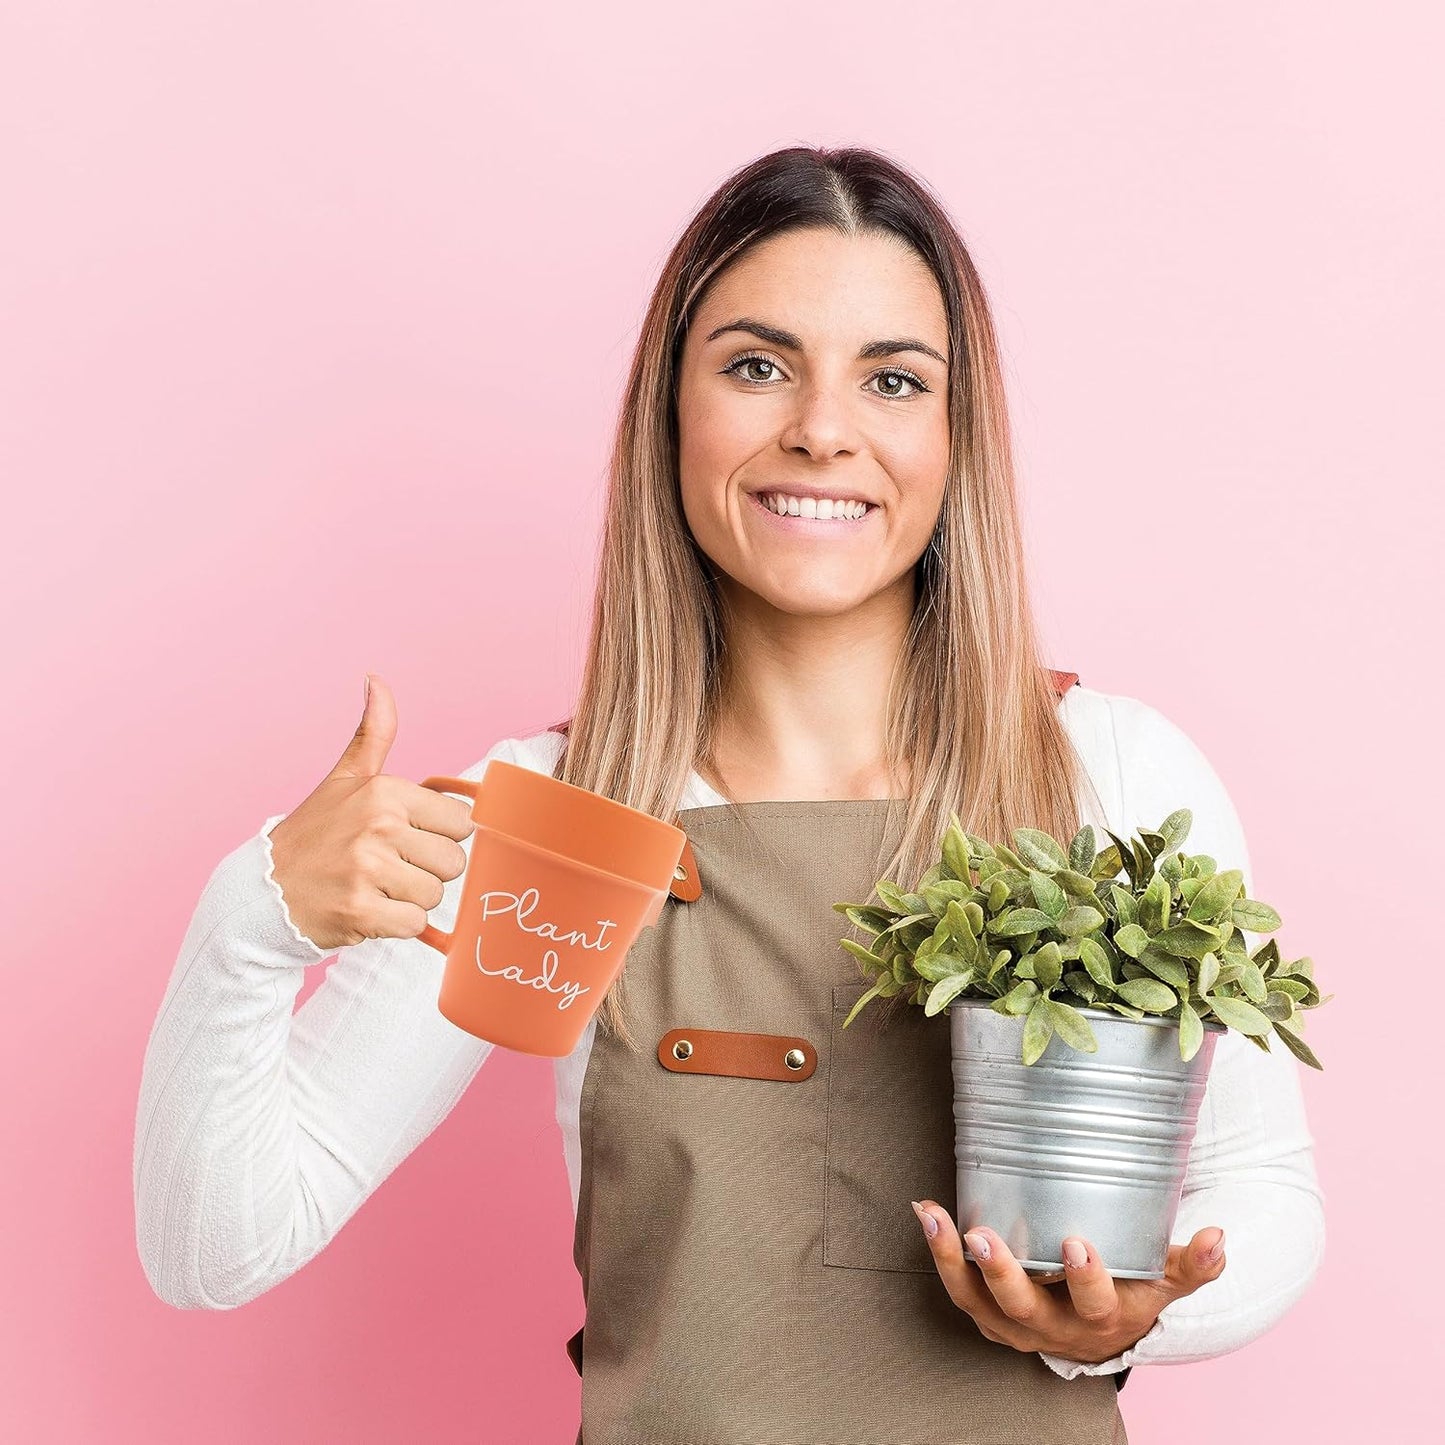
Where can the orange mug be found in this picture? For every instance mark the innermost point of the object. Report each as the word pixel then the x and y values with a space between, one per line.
pixel 559 884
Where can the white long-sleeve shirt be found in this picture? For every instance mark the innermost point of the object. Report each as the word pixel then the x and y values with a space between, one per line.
pixel 260 1132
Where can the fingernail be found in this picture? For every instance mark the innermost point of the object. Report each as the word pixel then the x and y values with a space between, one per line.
pixel 1217 1250
pixel 1074 1253
pixel 929 1223
pixel 978 1244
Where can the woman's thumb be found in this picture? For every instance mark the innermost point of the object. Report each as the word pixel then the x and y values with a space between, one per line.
pixel 365 754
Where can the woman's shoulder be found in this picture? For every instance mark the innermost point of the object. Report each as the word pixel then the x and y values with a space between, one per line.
pixel 1113 722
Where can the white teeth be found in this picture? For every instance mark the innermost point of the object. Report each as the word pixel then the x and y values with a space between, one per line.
pixel 822 508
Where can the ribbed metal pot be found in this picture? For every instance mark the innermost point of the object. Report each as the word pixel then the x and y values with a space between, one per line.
pixel 1093 1145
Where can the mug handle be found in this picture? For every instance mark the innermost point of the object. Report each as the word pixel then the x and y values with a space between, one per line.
pixel 440 941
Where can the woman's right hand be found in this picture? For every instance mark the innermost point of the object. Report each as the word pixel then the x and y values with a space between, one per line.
pixel 366 855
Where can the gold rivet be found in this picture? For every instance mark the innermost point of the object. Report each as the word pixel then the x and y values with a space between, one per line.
pixel 795 1058
pixel 680 871
pixel 682 1049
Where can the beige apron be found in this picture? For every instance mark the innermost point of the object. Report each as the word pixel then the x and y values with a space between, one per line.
pixel 753 1271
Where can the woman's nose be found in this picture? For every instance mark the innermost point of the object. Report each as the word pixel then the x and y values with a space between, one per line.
pixel 823 423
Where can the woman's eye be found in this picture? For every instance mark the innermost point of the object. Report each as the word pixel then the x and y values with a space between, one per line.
pixel 732 368
pixel 907 378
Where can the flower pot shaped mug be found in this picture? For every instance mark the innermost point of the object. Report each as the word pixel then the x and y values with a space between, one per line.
pixel 559 884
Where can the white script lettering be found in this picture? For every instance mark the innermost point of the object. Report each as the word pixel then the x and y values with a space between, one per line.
pixel 523 905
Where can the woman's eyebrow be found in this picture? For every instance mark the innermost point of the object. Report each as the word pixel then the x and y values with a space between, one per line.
pixel 775 336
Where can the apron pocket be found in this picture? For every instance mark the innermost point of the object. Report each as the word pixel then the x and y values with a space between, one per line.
pixel 889 1134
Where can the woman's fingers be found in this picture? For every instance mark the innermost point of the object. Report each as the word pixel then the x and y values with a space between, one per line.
pixel 998 1285
pixel 1091 1287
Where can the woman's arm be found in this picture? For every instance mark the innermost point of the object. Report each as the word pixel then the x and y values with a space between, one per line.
pixel 259 1133
pixel 1251 1167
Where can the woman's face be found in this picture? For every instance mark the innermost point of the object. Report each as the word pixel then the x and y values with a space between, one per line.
pixel 816 366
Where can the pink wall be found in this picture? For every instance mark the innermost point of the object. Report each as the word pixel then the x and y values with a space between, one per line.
pixel 294 298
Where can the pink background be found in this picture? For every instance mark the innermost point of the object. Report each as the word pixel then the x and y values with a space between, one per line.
pixel 314 321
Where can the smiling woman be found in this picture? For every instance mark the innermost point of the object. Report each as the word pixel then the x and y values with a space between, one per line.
pixel 811 643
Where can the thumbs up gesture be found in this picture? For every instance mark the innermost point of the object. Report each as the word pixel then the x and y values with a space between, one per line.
pixel 366 854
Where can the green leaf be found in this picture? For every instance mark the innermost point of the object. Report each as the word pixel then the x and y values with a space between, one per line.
pixel 892 896
pixel 1208 972
pixel 1162 966
pixel 1081 849
pixel 1078 885
pixel 872 993
pixel 1266 955
pixel 1257 917
pixel 1038 1029
pixel 1047 894
pixel 865 956
pixel 1236 1013
pixel 1277 1007
pixel 1019 920
pixel 1297 1046
pixel 1123 1008
pixel 940 895
pixel 1040 849
pixel 1096 961
pixel 959 919
pixel 1072 1027
pixel 1131 939
pixel 939 938
pixel 871 920
pixel 1253 980
pixel 934 969
pixel 955 853
pixel 1148 993
pixel 1154 904
pixel 1191 1032
pixel 1175 829
pixel 1128 860
pixel 1216 896
pixel 942 994
pixel 1079 921
pixel 908 920
pixel 1107 864
pixel 1187 940
pixel 1126 909
pixel 1020 998
pixel 1048 967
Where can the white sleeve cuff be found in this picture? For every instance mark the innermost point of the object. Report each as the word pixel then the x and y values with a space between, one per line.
pixel 312 952
pixel 1061 1365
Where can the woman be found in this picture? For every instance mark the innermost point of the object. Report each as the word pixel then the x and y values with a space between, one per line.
pixel 809 695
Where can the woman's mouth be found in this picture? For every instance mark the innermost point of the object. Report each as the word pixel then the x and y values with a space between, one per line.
pixel 814 526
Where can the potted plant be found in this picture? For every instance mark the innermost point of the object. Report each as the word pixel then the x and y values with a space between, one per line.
pixel 1085 991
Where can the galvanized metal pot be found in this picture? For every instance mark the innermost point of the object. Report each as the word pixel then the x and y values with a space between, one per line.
pixel 1075 1144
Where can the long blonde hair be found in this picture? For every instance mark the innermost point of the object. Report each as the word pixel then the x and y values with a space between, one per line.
pixel 970 706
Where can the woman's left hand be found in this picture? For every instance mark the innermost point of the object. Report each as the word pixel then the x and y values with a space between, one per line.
pixel 1094 1318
